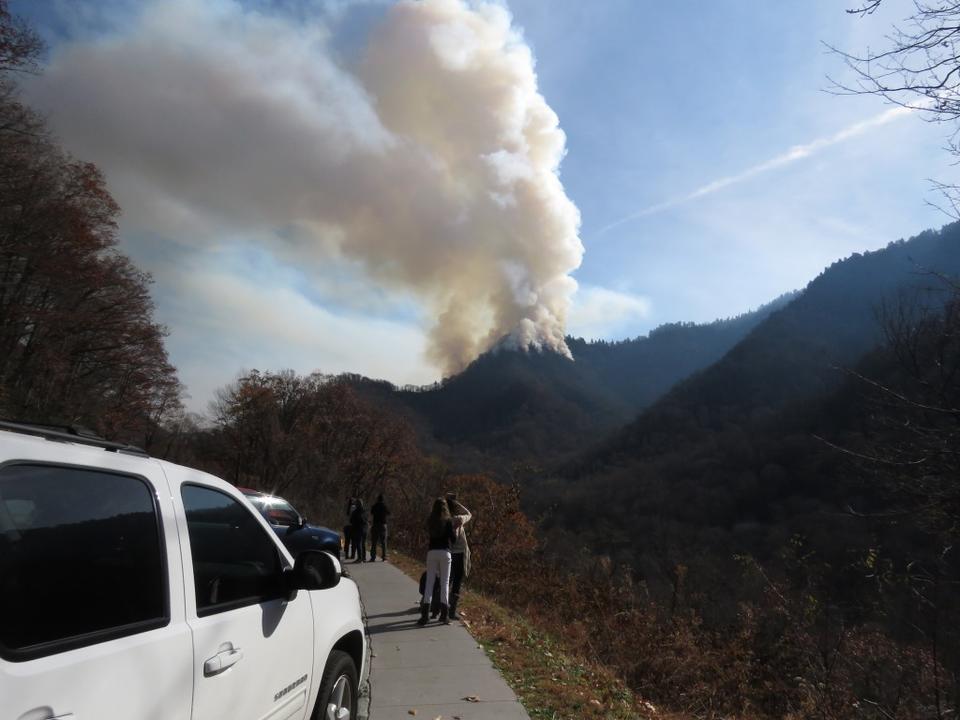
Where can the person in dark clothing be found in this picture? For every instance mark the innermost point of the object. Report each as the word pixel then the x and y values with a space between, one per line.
pixel 358 529
pixel 348 529
pixel 378 531
pixel 440 532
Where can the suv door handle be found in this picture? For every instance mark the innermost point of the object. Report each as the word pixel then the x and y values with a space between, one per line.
pixel 221 661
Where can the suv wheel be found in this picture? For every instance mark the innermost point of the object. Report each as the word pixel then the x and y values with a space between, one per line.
pixel 338 689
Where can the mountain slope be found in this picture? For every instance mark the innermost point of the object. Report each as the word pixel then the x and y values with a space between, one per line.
pixel 727 463
pixel 794 354
pixel 535 407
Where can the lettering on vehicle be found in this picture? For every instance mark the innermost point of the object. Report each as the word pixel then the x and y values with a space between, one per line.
pixel 295 684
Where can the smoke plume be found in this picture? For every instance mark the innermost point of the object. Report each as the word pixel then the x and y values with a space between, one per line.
pixel 429 159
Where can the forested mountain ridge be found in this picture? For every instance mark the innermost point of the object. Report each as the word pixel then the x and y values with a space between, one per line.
pixel 796 354
pixel 735 461
pixel 539 409
pixel 535 407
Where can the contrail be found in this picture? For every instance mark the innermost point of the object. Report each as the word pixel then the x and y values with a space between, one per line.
pixel 797 152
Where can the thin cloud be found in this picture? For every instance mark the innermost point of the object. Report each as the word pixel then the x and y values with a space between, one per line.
pixel 797 152
pixel 259 322
pixel 602 313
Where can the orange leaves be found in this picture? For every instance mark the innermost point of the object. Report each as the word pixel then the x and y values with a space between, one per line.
pixel 314 439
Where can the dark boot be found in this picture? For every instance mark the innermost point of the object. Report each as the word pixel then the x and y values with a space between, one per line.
pixel 444 615
pixel 454 599
pixel 424 609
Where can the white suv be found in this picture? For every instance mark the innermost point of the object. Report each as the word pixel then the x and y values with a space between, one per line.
pixel 135 589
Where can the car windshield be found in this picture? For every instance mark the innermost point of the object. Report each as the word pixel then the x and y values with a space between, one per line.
pixel 276 510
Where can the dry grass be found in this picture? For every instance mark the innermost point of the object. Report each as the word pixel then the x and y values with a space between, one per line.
pixel 551 681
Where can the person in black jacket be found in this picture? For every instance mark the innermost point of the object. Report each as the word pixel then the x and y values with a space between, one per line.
pixel 348 529
pixel 378 531
pixel 440 531
pixel 358 529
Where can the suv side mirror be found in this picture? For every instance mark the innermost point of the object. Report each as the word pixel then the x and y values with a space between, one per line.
pixel 314 570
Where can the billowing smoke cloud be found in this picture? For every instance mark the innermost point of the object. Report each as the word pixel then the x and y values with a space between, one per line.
pixel 430 160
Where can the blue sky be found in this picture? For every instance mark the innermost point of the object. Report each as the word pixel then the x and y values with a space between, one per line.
pixel 659 99
pixel 711 171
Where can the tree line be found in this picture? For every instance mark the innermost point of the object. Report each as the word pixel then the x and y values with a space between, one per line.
pixel 78 341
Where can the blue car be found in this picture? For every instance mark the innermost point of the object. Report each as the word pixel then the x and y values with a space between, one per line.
pixel 291 527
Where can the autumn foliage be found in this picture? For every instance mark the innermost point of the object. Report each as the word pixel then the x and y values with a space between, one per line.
pixel 309 438
pixel 78 343
pixel 786 652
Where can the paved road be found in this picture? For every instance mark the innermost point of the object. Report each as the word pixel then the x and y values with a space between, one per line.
pixel 427 669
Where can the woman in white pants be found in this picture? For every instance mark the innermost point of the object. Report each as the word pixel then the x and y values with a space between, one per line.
pixel 440 530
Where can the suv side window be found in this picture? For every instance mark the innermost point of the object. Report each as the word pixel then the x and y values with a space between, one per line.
pixel 80 559
pixel 234 562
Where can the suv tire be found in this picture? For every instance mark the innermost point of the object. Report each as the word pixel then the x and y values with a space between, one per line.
pixel 337 699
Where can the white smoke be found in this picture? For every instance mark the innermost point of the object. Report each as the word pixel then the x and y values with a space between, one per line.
pixel 431 160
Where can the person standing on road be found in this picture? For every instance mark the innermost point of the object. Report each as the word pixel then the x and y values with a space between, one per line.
pixel 459 551
pixel 440 531
pixel 358 529
pixel 378 531
pixel 348 530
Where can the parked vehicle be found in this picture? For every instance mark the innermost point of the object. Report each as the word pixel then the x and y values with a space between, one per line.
pixel 132 588
pixel 291 527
